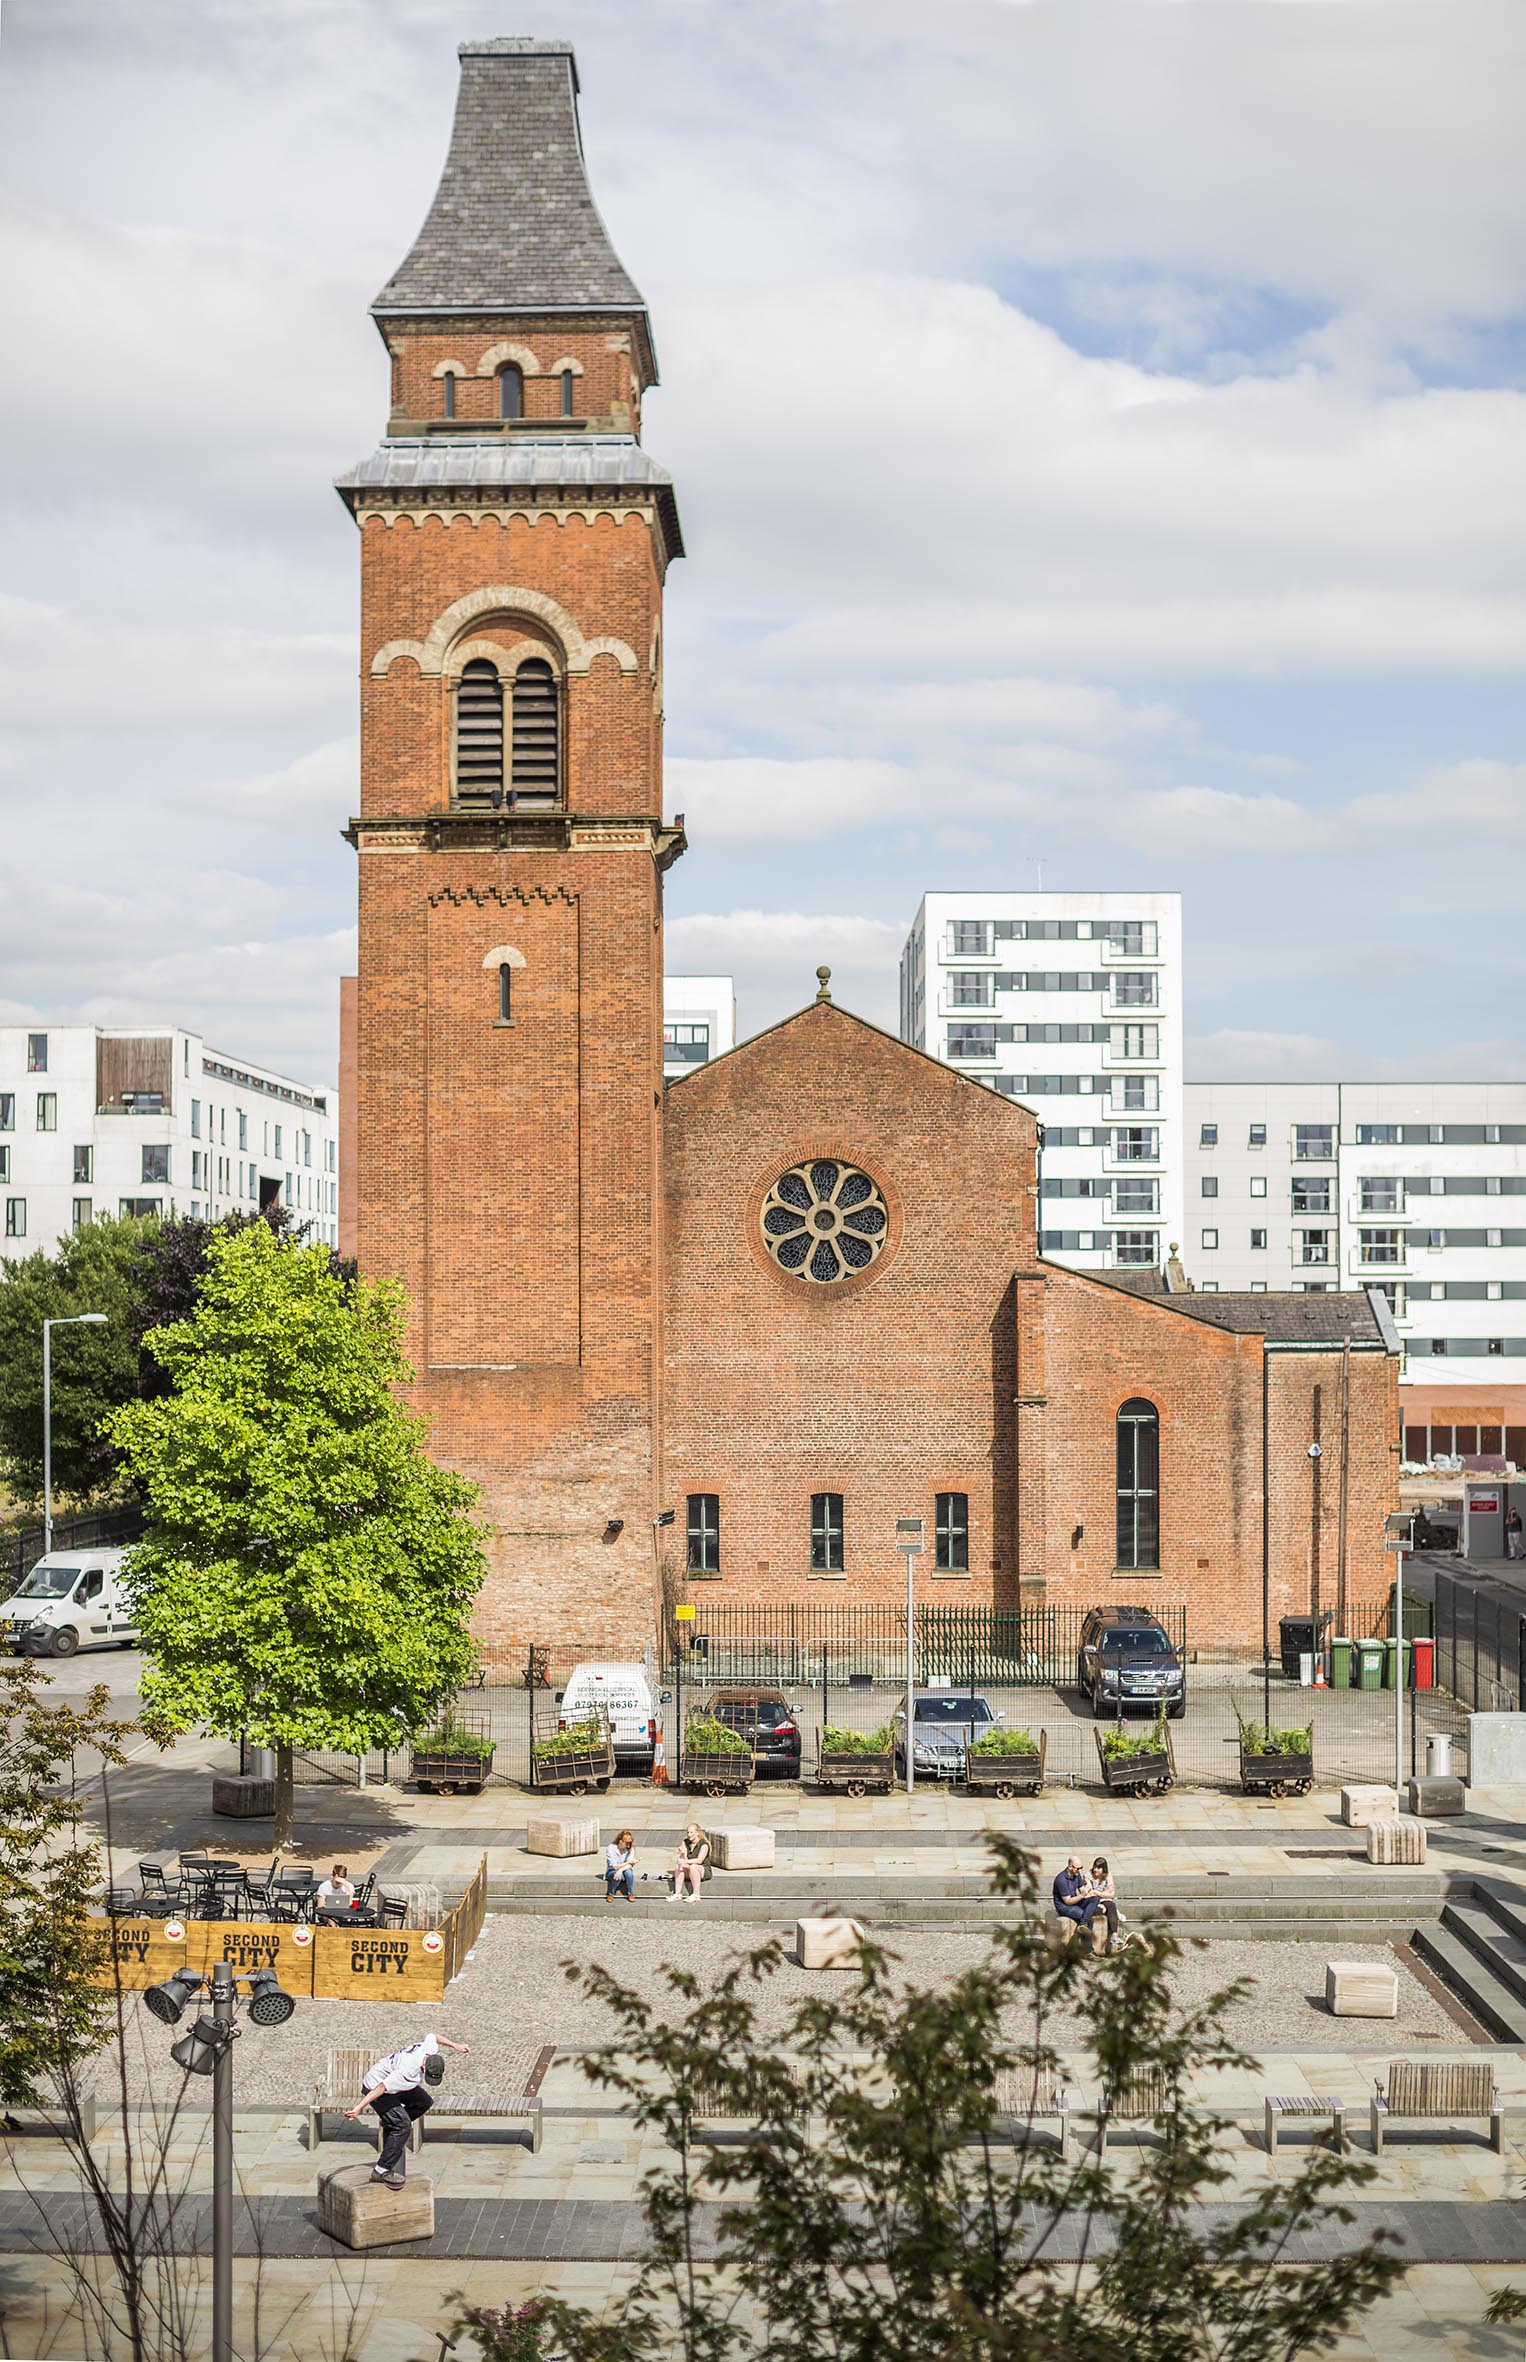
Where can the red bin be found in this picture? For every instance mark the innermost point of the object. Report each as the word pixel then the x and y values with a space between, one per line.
pixel 1425 1662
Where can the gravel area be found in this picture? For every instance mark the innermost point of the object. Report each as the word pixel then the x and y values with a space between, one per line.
pixel 513 1994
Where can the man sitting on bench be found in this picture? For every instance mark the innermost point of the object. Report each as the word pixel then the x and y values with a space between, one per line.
pixel 1075 1900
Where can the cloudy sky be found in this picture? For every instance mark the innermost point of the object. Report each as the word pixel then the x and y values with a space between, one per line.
pixel 1099 432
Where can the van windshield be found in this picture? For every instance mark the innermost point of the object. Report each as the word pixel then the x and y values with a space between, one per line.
pixel 49 1582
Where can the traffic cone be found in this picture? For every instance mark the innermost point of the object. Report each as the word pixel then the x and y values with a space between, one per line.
pixel 1319 1672
pixel 659 1762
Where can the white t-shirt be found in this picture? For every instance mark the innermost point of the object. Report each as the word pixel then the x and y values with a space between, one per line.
pixel 402 2070
pixel 617 1860
pixel 335 1890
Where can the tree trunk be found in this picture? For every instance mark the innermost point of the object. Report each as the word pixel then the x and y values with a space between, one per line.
pixel 285 1800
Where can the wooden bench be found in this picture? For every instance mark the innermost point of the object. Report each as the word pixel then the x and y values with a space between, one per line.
pixel 1430 2091
pixel 717 2107
pixel 517 2093
pixel 1138 2101
pixel 1025 2098
pixel 1282 2105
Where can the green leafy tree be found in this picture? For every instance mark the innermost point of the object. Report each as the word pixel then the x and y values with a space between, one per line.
pixel 95 1370
pixel 307 1572
pixel 904 2230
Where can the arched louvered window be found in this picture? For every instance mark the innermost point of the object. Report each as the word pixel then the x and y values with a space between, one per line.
pixel 479 733
pixel 511 391
pixel 448 394
pixel 1138 1432
pixel 568 409
pixel 536 767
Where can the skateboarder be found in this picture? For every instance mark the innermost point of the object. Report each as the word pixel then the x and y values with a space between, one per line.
pixel 395 2089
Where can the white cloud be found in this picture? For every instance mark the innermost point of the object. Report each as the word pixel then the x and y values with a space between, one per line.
pixel 1236 1054
pixel 1478 799
pixel 774 955
pixel 64 672
pixel 1207 823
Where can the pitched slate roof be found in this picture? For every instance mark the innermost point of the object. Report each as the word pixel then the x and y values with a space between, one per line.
pixel 513 226
pixel 551 460
pixel 1284 1318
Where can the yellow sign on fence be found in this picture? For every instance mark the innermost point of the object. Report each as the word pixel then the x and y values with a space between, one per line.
pixel 683 1615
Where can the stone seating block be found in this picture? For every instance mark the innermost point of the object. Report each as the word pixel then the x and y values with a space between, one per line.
pixel 748 1848
pixel 1361 1989
pixel 828 1943
pixel 1393 1842
pixel 563 1835
pixel 240 1796
pixel 361 2212
pixel 1433 1800
pixel 1361 1806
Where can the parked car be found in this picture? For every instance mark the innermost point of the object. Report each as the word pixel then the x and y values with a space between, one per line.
pixel 946 1721
pixel 72 1599
pixel 624 1696
pixel 768 1718
pixel 1127 1658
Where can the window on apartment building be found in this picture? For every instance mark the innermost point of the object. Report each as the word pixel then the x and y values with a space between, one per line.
pixel 7 1111
pixel 1311 1197
pixel 973 988
pixel 826 1534
pixel 972 1041
pixel 195 1119
pixel 135 1208
pixel 1136 1247
pixel 156 1162
pixel 1378 1135
pixel 1496 1344
pixel 84 1164
pixel 37 1053
pixel 682 1045
pixel 1210 1185
pixel 951 1534
pixel 1393 1289
pixel 307 1148
pixel 479 733
pixel 82 1213
pixel 1134 990
pixel 1311 1246
pixel 243 1130
pixel 1258 1241
pixel 1493 1238
pixel 15 1217
pixel 511 391
pixel 1314 1143
pixel 1257 1137
pixel 1138 1485
pixel 1438 1345
pixel 1430 1238
pixel 280 1136
pixel 1381 1194
pixel 1134 1041
pixel 1208 1136
pixel 702 1531
pixel 1258 1185
pixel 1381 1246
pixel 1135 938
pixel 535 764
pixel 1208 1239
pixel 1135 1196
pixel 1137 1094
pixel 969 939
pixel 1137 1144
pixel 1258 1287
pixel 5 1164
pixel 47 1111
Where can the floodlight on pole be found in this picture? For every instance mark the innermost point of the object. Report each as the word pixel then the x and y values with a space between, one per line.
pixel 72 1320
pixel 168 2002
pixel 908 1540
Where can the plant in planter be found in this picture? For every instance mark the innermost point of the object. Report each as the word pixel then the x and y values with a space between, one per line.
pixel 1265 1739
pixel 857 1742
pixel 1005 1742
pixel 1123 1746
pixel 452 1755
pixel 588 1737
pixel 704 1734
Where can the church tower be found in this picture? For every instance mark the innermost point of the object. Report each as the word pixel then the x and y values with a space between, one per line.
pixel 514 537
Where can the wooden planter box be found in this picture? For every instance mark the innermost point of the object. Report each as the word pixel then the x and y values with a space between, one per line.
pixel 1007 1775
pixel 573 1775
pixel 856 1775
pixel 441 1771
pixel 716 1775
pixel 1276 1775
pixel 1153 1774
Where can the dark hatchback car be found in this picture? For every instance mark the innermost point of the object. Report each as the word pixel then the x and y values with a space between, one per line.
pixel 767 1718
pixel 1127 1658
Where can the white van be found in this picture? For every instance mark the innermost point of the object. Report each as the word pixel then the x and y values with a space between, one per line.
pixel 72 1599
pixel 624 1695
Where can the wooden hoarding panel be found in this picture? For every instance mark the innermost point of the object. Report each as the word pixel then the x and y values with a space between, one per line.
pixel 391 1964
pixel 146 1955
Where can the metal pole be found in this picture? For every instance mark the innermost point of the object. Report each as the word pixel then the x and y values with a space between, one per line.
pixel 1398 1670
pixel 1266 1544
pixel 47 1439
pixel 911 1673
pixel 222 2169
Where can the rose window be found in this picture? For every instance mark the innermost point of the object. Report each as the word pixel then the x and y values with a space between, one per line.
pixel 824 1220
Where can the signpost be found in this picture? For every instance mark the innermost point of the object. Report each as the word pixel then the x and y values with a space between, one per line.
pixel 1399 1536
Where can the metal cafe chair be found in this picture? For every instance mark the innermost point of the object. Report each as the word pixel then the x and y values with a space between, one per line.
pixel 157 1899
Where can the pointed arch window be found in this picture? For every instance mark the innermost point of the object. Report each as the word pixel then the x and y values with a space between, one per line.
pixel 511 391
pixel 448 394
pixel 1138 1484
pixel 536 762
pixel 479 734
pixel 568 405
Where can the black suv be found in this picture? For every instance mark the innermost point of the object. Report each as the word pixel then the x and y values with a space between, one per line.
pixel 1126 1658
pixel 766 1717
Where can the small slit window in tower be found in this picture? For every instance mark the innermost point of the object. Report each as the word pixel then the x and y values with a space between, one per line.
pixel 505 994
pixel 511 391
pixel 567 402
pixel 479 734
pixel 537 730
pixel 448 394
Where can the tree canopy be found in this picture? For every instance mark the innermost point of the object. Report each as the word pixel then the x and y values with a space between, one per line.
pixel 307 1572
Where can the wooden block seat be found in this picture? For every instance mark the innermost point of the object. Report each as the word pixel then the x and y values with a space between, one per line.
pixel 1360 1806
pixel 742 1847
pixel 1281 2106
pixel 1431 2091
pixel 514 2093
pixel 363 2212
pixel 828 1943
pixel 1361 1989
pixel 563 1835
pixel 1394 1842
pixel 1437 1798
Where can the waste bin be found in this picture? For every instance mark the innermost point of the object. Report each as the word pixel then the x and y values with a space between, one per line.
pixel 1438 1754
pixel 1341 1674
pixel 1296 1636
pixel 1425 1662
pixel 1395 1667
pixel 1369 1661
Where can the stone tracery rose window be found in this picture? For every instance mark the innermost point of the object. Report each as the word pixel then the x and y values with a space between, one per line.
pixel 824 1220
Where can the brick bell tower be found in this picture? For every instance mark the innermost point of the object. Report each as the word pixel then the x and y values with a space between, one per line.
pixel 514 537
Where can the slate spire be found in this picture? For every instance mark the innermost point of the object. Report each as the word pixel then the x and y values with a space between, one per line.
pixel 513 226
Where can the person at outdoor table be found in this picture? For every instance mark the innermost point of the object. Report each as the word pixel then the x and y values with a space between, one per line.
pixel 336 1890
pixel 1073 1899
pixel 620 1867
pixel 691 1865
pixel 1105 1894
pixel 395 2089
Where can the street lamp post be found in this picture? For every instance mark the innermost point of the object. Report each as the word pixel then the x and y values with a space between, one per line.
pixel 74 1320
pixel 908 1540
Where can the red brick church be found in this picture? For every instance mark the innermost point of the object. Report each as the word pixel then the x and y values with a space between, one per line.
pixel 795 1295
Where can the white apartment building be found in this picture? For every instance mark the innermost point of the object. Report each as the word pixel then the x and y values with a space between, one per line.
pixel 95 1122
pixel 1071 1003
pixel 1419 1188
pixel 699 1021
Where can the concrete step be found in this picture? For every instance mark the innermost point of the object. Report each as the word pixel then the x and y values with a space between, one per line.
pixel 1502 1953
pixel 1418 1890
pixel 1475 1983
pixel 1505 1903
